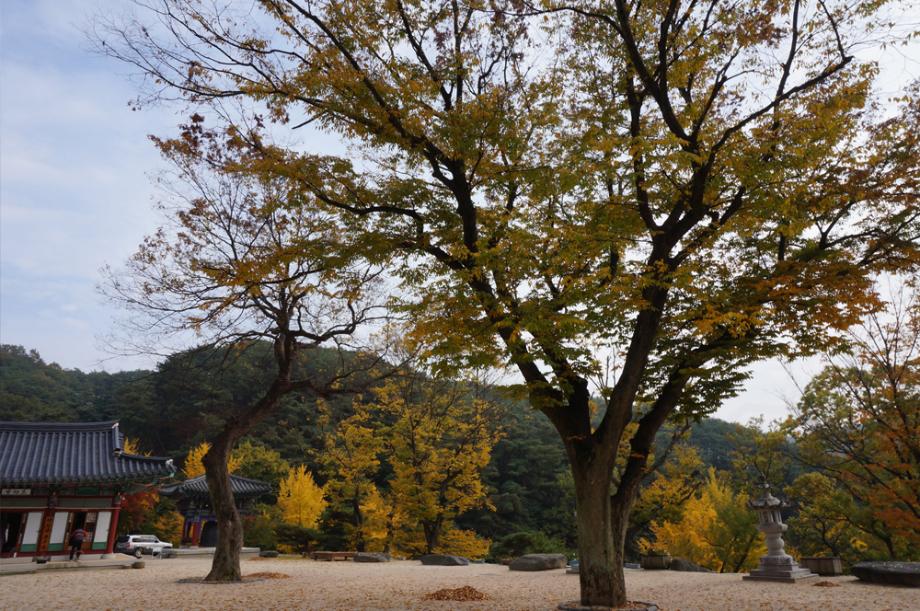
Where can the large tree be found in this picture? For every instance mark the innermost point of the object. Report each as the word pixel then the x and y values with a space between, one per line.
pixel 683 186
pixel 235 267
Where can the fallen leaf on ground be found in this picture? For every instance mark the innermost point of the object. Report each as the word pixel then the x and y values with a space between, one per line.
pixel 458 594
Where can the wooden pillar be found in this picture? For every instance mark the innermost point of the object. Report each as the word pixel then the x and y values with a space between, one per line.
pixel 113 527
pixel 44 531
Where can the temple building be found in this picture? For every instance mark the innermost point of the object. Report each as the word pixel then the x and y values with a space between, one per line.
pixel 57 477
pixel 194 503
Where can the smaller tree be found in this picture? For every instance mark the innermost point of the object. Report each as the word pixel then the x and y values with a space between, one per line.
pixel 828 521
pixel 238 263
pixel 302 502
pixel 438 443
pixel 716 530
pixel 260 462
pixel 663 500
pixel 858 422
pixel 350 459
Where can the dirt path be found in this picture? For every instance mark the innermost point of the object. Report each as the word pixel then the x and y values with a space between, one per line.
pixel 403 585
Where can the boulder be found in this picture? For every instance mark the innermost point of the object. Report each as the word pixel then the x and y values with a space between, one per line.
pixel 268 553
pixel 538 562
pixel 443 560
pixel 371 557
pixel 682 564
pixel 890 573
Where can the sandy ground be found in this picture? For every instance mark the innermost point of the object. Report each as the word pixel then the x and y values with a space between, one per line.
pixel 403 585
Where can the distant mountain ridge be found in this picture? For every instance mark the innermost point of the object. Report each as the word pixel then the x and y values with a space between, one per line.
pixel 174 407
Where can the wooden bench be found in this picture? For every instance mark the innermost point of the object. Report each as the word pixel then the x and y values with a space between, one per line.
pixel 330 556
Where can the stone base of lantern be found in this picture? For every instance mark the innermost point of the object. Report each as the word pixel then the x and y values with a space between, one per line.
pixel 785 570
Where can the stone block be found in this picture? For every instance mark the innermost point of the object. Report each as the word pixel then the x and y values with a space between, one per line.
pixel 889 573
pixel 538 562
pixel 682 564
pixel 826 567
pixel 657 562
pixel 443 560
pixel 371 557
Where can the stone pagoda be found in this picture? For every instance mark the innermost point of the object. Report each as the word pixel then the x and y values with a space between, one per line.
pixel 777 565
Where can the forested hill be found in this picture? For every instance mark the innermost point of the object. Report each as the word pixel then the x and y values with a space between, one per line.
pixel 168 410
pixel 175 407
pixel 31 389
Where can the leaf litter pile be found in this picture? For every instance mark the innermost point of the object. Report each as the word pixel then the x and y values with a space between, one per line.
pixel 826 584
pixel 457 594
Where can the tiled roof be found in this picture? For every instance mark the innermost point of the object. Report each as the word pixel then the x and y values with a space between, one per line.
pixel 197 487
pixel 72 453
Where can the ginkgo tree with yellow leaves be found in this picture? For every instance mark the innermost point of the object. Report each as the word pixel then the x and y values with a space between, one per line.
pixel 350 457
pixel 715 529
pixel 433 438
pixel 301 500
pixel 438 444
pixel 687 186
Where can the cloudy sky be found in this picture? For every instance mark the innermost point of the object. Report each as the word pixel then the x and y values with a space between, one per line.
pixel 75 192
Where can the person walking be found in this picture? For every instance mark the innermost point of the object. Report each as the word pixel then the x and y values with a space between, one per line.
pixel 76 542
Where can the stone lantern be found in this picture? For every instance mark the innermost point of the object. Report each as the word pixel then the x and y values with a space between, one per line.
pixel 777 565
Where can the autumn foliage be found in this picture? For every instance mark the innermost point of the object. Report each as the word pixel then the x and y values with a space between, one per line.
pixel 300 499
pixel 858 423
pixel 715 530
pixel 434 438
pixel 193 465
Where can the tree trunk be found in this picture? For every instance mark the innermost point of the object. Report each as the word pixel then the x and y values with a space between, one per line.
pixel 747 552
pixel 226 563
pixel 601 525
pixel 359 524
pixel 432 530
